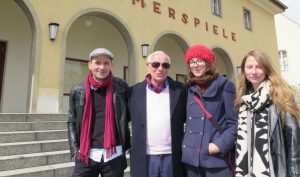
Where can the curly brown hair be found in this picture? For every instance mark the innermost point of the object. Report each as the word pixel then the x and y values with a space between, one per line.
pixel 202 82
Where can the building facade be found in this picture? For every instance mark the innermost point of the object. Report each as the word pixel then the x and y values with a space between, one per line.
pixel 36 71
pixel 288 40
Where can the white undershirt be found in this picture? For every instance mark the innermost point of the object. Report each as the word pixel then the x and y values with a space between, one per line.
pixel 96 154
pixel 158 122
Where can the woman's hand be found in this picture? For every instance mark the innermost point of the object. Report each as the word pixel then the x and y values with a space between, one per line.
pixel 213 149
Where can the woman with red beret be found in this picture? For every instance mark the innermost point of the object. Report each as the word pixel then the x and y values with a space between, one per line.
pixel 211 124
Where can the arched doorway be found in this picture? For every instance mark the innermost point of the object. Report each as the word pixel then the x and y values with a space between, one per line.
pixel 224 63
pixel 175 46
pixel 93 29
pixel 20 54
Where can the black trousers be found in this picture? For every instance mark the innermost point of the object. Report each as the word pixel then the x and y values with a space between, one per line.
pixel 113 168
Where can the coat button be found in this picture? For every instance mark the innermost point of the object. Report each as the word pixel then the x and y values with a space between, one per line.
pixel 201 133
pixel 190 132
pixel 190 118
pixel 202 118
pixel 183 146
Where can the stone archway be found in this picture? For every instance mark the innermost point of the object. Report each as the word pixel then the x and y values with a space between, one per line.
pixel 175 46
pixel 21 56
pixel 224 63
pixel 93 28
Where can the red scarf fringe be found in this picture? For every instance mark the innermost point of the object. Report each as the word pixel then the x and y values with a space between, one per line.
pixel 109 132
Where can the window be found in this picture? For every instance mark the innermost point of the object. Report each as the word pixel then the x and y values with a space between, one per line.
pixel 216 7
pixel 180 78
pixel 76 71
pixel 247 19
pixel 283 60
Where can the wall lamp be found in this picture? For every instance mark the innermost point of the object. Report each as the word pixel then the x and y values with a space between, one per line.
pixel 145 50
pixel 53 28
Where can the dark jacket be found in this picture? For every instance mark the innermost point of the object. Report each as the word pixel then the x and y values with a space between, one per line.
pixel 285 144
pixel 137 105
pixel 76 108
pixel 218 100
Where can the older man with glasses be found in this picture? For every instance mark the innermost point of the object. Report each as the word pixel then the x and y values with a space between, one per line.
pixel 157 111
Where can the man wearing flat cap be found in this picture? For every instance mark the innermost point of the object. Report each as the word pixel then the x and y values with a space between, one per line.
pixel 98 130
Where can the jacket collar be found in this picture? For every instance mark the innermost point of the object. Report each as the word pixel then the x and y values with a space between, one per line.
pixel 174 94
pixel 212 89
pixel 273 118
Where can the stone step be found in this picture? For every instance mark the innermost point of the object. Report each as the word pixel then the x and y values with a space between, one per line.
pixel 35 145
pixel 23 136
pixel 32 117
pixel 7 149
pixel 34 159
pixel 32 126
pixel 55 170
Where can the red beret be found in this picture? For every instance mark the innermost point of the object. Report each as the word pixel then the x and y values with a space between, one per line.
pixel 200 51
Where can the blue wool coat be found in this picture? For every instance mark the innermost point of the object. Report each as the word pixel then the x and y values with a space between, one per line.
pixel 219 101
pixel 137 106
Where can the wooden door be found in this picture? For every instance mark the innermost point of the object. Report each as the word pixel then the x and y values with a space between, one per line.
pixel 2 62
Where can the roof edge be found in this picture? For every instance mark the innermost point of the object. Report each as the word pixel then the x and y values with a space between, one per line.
pixel 279 4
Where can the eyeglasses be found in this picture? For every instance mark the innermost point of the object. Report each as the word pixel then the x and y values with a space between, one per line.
pixel 157 64
pixel 196 62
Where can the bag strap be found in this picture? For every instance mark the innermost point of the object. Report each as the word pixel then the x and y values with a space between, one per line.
pixel 208 115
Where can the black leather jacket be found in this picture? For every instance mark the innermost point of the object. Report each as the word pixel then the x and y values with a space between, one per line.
pixel 76 107
pixel 285 144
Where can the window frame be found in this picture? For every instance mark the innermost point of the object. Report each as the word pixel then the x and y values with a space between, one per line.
pixel 283 60
pixel 216 6
pixel 247 19
pixel 74 60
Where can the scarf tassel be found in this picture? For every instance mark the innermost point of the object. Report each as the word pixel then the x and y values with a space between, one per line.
pixel 83 157
pixel 110 152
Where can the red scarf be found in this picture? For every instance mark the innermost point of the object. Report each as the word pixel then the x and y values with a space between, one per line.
pixel 155 88
pixel 109 132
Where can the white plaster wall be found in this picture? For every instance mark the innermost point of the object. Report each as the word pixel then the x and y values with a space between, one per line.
pixel 288 38
pixel 82 40
pixel 15 30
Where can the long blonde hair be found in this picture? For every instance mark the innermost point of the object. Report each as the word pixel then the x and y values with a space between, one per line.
pixel 280 92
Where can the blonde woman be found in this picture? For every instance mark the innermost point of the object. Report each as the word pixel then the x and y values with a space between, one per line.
pixel 268 127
